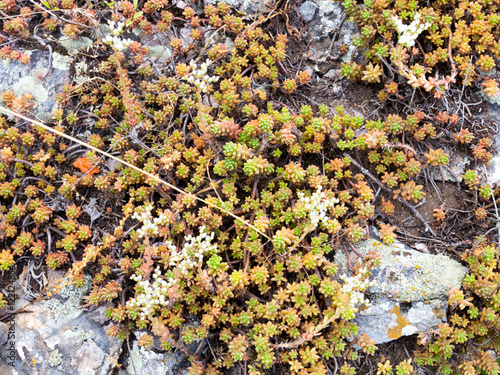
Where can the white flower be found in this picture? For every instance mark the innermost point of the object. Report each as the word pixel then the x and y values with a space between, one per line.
pixel 198 76
pixel 409 33
pixel 355 287
pixel 316 206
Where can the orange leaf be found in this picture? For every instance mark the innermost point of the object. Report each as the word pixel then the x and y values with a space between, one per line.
pixel 84 165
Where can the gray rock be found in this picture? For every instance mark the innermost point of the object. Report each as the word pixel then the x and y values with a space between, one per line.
pixel 56 337
pixel 147 361
pixel 410 292
pixel 388 320
pixel 250 7
pixel 493 115
pixel 158 43
pixel 29 78
pixel 73 46
pixel 308 10
pixel 456 167
pixel 330 18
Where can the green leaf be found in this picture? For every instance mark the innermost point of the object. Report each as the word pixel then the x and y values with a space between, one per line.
pixel 130 20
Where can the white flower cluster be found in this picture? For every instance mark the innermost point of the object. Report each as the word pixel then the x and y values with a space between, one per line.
pixel 409 33
pixel 316 206
pixel 199 77
pixel 192 253
pixel 114 39
pixel 149 225
pixel 153 295
pixel 355 286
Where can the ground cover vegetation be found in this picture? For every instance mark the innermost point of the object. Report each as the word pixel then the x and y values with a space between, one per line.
pixel 220 225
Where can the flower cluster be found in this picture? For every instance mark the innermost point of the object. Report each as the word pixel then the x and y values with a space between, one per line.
pixel 114 39
pixel 474 320
pixel 193 251
pixel 409 33
pixel 149 224
pixel 199 77
pixel 316 206
pixel 152 296
pixel 355 286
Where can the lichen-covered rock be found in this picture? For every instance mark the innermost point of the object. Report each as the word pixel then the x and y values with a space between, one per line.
pixel 453 171
pixel 147 361
pixel 73 46
pixel 388 320
pixel 308 10
pixel 410 292
pixel 329 18
pixel 250 7
pixel 33 78
pixel 55 337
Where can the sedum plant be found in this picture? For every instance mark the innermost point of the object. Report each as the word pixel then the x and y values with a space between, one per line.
pixel 432 46
pixel 236 248
pixel 468 342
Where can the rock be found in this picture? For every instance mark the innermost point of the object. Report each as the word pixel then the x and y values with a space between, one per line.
pixel 146 361
pixel 158 43
pixel 494 99
pixel 30 78
pixel 493 170
pixel 410 293
pixel 456 167
pixel 250 7
pixel 330 18
pixel 73 46
pixel 333 74
pixel 55 337
pixel 388 320
pixel 308 10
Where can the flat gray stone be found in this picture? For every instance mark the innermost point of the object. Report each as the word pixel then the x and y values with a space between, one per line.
pixel 388 320
pixel 142 361
pixel 410 292
pixel 308 10
pixel 328 19
pixel 56 337
pixel 250 7
pixel 73 46
pixel 30 78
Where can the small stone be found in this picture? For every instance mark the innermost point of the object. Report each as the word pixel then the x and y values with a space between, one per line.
pixel 73 46
pixel 333 74
pixel 388 320
pixel 146 361
pixel 4 332
pixel 28 78
pixel 308 10
pixel 250 7
pixel 181 5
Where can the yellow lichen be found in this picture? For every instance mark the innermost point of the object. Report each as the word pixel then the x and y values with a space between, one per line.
pixel 395 332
